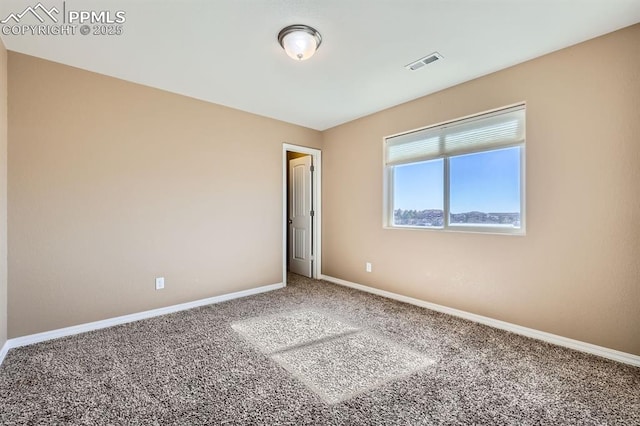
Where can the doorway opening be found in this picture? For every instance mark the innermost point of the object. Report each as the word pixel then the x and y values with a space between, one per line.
pixel 301 211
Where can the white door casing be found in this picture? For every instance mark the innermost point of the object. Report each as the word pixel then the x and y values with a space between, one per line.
pixel 300 216
pixel 316 155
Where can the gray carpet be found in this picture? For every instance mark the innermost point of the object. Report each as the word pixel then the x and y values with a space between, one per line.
pixel 359 360
pixel 334 359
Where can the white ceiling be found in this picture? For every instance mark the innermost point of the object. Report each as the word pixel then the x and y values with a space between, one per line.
pixel 226 52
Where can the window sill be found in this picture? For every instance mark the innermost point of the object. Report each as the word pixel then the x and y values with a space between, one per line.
pixel 465 229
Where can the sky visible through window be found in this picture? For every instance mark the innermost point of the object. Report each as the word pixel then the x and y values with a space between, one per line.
pixel 418 186
pixel 486 182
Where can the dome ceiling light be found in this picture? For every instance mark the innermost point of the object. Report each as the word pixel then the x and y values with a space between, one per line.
pixel 299 41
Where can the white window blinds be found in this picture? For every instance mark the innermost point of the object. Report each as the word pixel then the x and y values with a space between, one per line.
pixel 481 132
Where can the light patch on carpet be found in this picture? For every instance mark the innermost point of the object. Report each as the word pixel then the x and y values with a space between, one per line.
pixel 288 330
pixel 334 359
pixel 344 367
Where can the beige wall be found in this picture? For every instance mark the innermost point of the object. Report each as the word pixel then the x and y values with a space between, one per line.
pixel 112 184
pixel 577 271
pixel 3 194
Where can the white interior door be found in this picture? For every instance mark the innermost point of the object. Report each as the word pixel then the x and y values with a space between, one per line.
pixel 300 216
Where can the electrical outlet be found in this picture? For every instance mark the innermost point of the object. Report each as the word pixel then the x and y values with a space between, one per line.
pixel 159 283
pixel 367 267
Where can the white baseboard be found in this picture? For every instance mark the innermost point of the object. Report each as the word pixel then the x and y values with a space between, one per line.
pixel 110 322
pixel 3 351
pixel 514 328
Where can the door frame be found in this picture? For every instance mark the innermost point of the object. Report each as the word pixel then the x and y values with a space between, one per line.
pixel 316 155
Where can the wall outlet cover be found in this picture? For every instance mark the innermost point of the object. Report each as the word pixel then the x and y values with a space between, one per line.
pixel 159 283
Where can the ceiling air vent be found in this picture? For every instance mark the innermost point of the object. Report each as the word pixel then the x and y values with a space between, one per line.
pixel 435 56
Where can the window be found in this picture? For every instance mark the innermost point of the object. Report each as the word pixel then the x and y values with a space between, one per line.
pixel 463 175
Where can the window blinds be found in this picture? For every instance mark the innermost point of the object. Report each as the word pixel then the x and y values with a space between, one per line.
pixel 487 131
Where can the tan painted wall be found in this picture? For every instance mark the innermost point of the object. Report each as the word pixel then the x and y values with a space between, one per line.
pixel 577 271
pixel 3 194
pixel 112 184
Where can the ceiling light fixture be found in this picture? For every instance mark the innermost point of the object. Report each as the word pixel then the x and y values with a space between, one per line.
pixel 299 41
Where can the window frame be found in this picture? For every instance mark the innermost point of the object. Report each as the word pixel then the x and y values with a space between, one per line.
pixel 388 181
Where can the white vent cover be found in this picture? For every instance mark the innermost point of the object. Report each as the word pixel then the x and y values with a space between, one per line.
pixel 429 59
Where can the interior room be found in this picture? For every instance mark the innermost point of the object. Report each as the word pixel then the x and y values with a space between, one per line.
pixel 298 212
